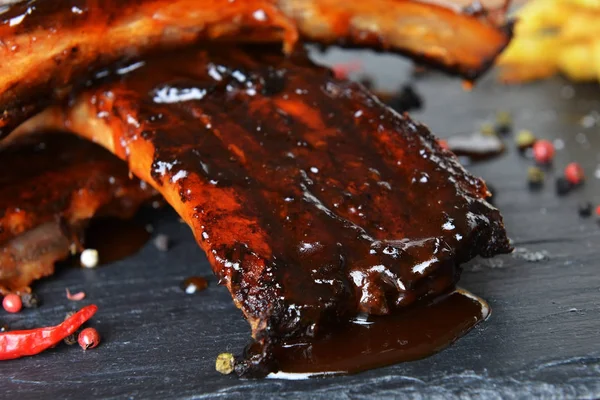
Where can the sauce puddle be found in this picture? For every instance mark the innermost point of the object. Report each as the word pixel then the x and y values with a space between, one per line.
pixel 378 341
pixel 115 239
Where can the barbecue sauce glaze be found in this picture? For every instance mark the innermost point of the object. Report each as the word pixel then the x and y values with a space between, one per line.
pixel 367 342
pixel 51 186
pixel 313 201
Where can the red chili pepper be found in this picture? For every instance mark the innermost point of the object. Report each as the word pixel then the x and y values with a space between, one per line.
pixel 16 344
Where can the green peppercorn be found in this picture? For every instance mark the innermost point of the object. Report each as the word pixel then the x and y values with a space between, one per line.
pixel 225 363
pixel 525 139
pixel 30 300
pixel 535 177
pixel 503 122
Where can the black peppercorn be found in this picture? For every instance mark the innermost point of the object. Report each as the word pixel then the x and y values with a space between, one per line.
pixel 585 209
pixel 407 99
pixel 535 177
pixel 30 300
pixel 503 122
pixel 563 186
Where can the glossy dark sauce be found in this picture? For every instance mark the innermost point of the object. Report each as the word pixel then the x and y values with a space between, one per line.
pixel 312 200
pixel 48 47
pixel 376 341
pixel 114 238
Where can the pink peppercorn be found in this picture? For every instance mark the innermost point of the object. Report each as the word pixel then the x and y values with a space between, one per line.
pixel 543 151
pixel 574 173
pixel 12 303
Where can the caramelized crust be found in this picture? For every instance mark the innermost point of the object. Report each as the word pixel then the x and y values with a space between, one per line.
pixel 46 45
pixel 456 41
pixel 52 185
pixel 312 200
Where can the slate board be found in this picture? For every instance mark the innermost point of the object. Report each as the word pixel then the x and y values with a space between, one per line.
pixel 542 339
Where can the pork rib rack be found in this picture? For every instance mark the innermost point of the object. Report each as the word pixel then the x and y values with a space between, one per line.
pixel 312 200
pixel 47 46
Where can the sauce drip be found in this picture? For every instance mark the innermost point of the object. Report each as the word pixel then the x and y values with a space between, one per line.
pixel 115 239
pixel 312 200
pixel 377 341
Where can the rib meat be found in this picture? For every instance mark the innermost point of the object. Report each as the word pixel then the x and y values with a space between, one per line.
pixel 48 45
pixel 51 187
pixel 312 200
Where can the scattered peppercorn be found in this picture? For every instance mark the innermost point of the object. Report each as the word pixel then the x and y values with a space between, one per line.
pixel 487 129
pixel 70 340
pixel 225 363
pixel 16 344
pixel 574 173
pixel 88 338
pixel 89 258
pixel 585 209
pixel 194 284
pixel 543 151
pixel 503 122
pixel 563 186
pixel 30 300
pixel 535 177
pixel 161 242
pixel 12 303
pixel 407 99
pixel 525 139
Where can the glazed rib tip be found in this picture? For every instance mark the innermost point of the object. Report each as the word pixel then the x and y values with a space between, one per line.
pixel 49 46
pixel 312 200
pixel 47 197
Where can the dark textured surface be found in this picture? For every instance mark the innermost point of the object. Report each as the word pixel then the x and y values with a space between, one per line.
pixel 541 340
